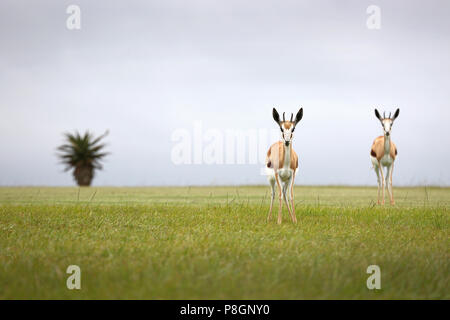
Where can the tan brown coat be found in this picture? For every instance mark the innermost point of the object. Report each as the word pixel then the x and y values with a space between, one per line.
pixel 377 149
pixel 277 162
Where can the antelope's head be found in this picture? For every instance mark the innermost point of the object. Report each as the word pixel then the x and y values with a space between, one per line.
pixel 287 127
pixel 387 122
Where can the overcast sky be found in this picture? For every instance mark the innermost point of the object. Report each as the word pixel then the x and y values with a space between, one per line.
pixel 148 69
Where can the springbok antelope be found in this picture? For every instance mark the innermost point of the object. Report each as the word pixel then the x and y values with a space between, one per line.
pixel 383 153
pixel 282 164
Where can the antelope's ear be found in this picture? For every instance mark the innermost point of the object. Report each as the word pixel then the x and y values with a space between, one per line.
pixel 276 116
pixel 377 114
pixel 397 112
pixel 299 116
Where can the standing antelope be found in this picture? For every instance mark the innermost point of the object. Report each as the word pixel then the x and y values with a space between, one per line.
pixel 383 153
pixel 282 164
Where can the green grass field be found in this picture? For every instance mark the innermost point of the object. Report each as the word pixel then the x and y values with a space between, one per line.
pixel 214 243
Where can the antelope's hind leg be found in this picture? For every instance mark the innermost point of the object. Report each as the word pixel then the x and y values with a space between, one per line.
pixel 294 218
pixel 272 196
pixel 377 168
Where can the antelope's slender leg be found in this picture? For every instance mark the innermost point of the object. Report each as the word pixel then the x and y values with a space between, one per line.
pixel 382 182
pixel 292 199
pixel 272 186
pixel 390 181
pixel 286 200
pixel 281 203
pixel 377 171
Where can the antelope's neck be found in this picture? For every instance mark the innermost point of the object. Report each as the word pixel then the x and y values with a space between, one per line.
pixel 387 144
pixel 287 156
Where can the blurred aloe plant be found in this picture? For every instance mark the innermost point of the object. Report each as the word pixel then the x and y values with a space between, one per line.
pixel 83 154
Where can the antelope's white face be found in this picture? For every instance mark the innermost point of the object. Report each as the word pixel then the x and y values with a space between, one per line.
pixel 387 122
pixel 287 127
pixel 387 125
pixel 287 132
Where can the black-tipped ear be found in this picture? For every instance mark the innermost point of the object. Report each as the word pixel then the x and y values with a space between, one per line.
pixel 299 116
pixel 397 112
pixel 377 114
pixel 276 116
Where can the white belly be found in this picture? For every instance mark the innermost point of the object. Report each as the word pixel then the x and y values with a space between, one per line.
pixel 386 161
pixel 285 174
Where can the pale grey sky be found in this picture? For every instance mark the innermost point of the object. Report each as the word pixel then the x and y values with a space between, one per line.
pixel 144 69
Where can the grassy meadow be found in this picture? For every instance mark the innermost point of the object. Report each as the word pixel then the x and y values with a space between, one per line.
pixel 215 243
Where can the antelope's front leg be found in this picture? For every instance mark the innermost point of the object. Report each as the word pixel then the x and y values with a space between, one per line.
pixel 286 200
pixel 280 195
pixel 382 183
pixel 390 183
